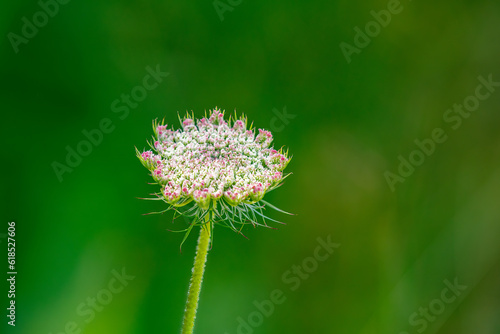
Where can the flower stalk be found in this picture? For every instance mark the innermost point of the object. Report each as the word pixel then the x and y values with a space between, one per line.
pixel 197 277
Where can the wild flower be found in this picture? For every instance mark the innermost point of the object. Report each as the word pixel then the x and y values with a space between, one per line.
pixel 222 168
pixel 215 173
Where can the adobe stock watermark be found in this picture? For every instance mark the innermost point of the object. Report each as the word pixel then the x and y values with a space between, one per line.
pixel 121 107
pixel 30 28
pixel 421 319
pixel 280 119
pixel 88 309
pixel 293 279
pixel 453 117
pixel 372 29
pixel 222 6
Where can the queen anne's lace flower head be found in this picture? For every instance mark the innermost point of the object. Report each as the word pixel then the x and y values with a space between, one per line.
pixel 221 166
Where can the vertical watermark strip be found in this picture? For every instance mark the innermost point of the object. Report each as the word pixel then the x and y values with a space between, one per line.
pixel 11 273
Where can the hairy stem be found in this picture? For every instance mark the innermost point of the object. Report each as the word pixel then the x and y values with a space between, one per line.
pixel 196 279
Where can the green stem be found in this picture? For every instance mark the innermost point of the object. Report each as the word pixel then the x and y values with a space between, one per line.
pixel 196 279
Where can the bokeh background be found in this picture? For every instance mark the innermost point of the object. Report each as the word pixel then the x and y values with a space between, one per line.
pixel 348 123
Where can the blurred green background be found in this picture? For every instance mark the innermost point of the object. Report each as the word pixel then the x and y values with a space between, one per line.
pixel 348 123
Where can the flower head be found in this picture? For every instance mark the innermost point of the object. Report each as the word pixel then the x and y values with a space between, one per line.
pixel 220 166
